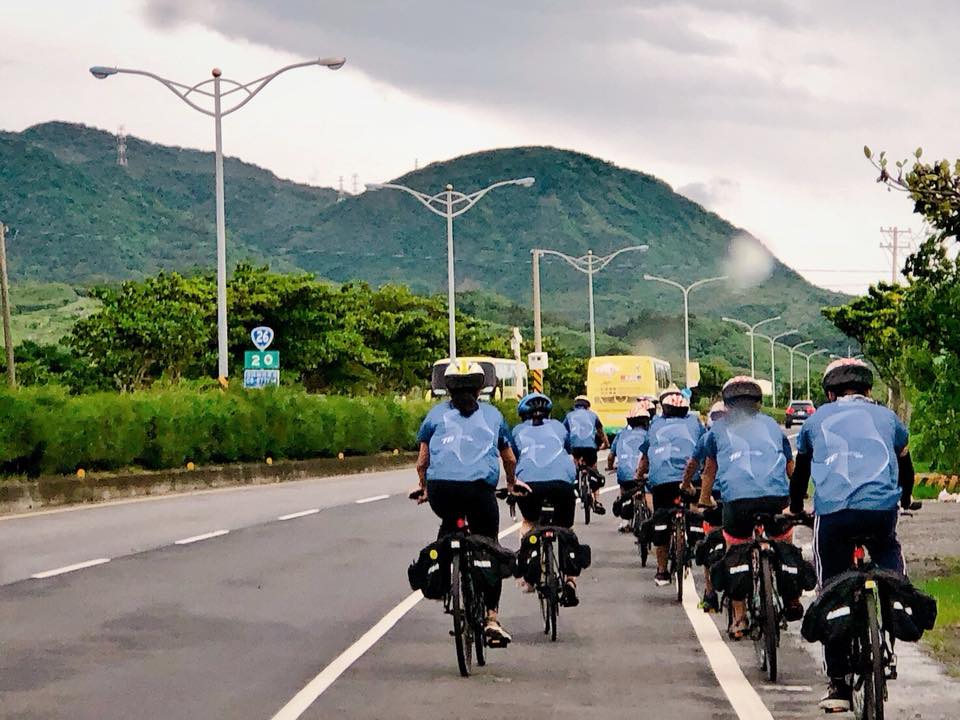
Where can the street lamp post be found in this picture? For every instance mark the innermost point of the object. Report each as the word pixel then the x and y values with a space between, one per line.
pixel 808 356
pixel 449 204
pixel 751 331
pixel 588 264
pixel 793 349
pixel 246 92
pixel 773 360
pixel 686 312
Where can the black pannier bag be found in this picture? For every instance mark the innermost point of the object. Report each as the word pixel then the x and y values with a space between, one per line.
pixel 656 530
pixel 907 612
pixel 794 574
pixel 623 507
pixel 695 533
pixel 711 549
pixel 430 572
pixel 731 574
pixel 491 561
pixel 831 616
pixel 574 556
pixel 528 557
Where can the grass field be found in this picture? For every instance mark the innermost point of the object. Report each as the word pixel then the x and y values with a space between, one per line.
pixel 45 312
pixel 944 639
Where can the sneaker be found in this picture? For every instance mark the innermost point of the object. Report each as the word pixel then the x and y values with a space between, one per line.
pixel 598 508
pixel 624 527
pixel 496 635
pixel 838 697
pixel 569 598
pixel 793 611
pixel 661 579
pixel 710 603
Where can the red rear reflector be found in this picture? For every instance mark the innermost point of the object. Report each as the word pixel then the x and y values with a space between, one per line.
pixel 461 523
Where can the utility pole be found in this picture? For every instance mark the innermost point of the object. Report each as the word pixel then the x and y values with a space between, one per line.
pixel 5 298
pixel 894 246
pixel 537 375
pixel 340 191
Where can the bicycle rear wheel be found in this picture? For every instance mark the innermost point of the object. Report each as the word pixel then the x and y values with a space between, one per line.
pixel 769 622
pixel 640 518
pixel 553 590
pixel 585 497
pixel 679 553
pixel 462 631
pixel 871 669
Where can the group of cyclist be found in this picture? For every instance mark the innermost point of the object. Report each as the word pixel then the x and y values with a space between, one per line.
pixel 854 450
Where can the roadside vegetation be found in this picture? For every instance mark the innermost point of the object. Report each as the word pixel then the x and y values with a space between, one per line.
pixel 944 639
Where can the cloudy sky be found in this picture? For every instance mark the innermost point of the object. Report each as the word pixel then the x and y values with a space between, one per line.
pixel 758 109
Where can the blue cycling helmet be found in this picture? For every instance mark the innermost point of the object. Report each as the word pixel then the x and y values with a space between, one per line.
pixel 533 402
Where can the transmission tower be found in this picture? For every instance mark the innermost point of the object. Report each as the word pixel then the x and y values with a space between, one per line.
pixel 340 191
pixel 356 184
pixel 121 146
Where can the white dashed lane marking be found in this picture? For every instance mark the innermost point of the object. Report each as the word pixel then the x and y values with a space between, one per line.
pixel 302 513
pixel 374 498
pixel 70 568
pixel 198 538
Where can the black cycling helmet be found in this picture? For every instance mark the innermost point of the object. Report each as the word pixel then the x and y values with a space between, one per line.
pixel 847 374
pixel 742 386
pixel 463 375
pixel 533 403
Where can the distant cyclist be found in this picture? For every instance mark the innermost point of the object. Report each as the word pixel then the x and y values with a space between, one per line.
pixel 856 452
pixel 546 470
pixel 710 603
pixel 462 442
pixel 669 446
pixel 625 452
pixel 749 460
pixel 586 438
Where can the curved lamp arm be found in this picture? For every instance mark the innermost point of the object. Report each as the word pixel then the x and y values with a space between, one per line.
pixel 473 198
pixel 260 83
pixel 601 263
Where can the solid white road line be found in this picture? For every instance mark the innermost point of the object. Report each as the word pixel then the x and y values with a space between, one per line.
pixel 744 699
pixel 787 688
pixel 316 687
pixel 198 538
pixel 302 513
pixel 70 568
pixel 373 498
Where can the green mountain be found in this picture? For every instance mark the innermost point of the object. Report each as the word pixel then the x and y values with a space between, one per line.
pixel 80 218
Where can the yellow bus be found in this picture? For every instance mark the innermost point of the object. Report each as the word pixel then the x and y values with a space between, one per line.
pixel 614 382
pixel 506 379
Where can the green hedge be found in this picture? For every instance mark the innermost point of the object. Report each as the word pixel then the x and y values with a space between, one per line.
pixel 48 431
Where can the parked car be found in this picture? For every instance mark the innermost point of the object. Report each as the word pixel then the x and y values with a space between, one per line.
pixel 798 411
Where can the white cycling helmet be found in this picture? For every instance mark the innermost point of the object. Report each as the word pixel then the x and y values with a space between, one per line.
pixel 463 375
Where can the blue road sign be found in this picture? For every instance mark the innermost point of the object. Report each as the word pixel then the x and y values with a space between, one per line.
pixel 262 337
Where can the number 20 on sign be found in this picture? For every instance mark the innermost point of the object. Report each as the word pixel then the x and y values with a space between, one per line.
pixel 261 359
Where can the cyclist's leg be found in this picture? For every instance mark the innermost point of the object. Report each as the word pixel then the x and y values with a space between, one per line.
pixel 627 489
pixel 445 498
pixel 885 550
pixel 738 517
pixel 664 498
pixel 832 554
pixel 531 506
pixel 564 502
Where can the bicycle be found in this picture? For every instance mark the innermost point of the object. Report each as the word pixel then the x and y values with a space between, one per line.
pixel 679 552
pixel 641 514
pixel 764 604
pixel 873 660
pixel 550 586
pixel 464 600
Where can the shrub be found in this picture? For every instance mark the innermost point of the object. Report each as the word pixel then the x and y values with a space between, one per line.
pixel 49 431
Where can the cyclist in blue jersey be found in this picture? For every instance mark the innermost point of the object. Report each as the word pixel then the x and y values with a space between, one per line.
pixel 586 438
pixel 546 470
pixel 670 443
pixel 748 459
pixel 857 455
pixel 625 452
pixel 462 443
pixel 710 602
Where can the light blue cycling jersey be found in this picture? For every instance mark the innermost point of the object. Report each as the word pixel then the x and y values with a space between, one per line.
pixel 464 448
pixel 582 423
pixel 669 445
pixel 626 449
pixel 854 444
pixel 543 452
pixel 751 453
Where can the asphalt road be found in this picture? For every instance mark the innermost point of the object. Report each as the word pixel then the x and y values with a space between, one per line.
pixel 238 624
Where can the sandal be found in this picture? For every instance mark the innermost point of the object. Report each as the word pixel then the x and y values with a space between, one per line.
pixel 738 630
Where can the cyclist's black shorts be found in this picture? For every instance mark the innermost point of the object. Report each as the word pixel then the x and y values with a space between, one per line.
pixel 627 487
pixel 587 455
pixel 451 500
pixel 558 493
pixel 739 515
pixel 665 495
